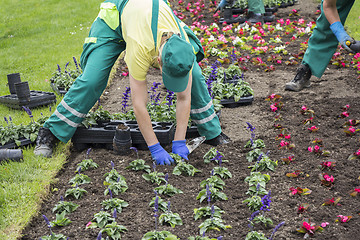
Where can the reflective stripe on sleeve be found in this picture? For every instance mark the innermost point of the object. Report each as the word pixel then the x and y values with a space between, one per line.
pixel 64 119
pixel 203 109
pixel 73 111
pixel 204 120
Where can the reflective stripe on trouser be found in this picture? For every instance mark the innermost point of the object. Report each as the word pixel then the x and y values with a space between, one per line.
pixel 97 59
pixel 323 43
pixel 256 6
pixel 202 110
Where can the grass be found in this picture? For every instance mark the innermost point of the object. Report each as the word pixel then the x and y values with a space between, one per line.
pixel 35 36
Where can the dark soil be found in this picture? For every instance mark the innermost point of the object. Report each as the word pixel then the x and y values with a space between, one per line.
pixel 326 97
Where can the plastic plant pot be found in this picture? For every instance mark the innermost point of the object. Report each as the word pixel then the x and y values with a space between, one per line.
pixel 122 139
pixel 11 154
pixel 22 91
pixel 12 79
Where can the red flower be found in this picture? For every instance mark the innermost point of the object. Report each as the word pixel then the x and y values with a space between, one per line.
pixel 308 227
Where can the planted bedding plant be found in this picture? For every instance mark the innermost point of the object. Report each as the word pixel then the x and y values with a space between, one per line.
pixel 63 79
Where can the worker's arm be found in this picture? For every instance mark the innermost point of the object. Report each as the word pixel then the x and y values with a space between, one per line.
pixel 332 15
pixel 139 96
pixel 183 105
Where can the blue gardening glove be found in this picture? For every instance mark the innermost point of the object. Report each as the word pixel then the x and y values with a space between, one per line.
pixel 338 29
pixel 221 5
pixel 160 155
pixel 179 147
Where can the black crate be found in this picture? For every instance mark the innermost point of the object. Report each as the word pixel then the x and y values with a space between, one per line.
pixel 37 98
pixel 230 103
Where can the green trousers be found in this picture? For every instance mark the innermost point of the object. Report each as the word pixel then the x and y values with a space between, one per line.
pixel 256 6
pixel 100 52
pixel 323 43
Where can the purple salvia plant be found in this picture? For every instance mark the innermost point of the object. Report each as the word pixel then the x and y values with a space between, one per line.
pixel 266 200
pixel 168 206
pixel 220 238
pixel 114 213
pixel 28 111
pixel 212 77
pixel 267 153
pixel 88 153
pixel 136 151
pixel 67 64
pixel 112 164
pixel 259 158
pixel 208 194
pixel 48 223
pixel 167 177
pixel 6 120
pixel 153 90
pixel 156 210
pixel 169 97
pixel 10 119
pixel 257 187
pixel 79 170
pixel 125 99
pixel 99 236
pixel 110 193
pixel 61 198
pixel 76 64
pixel 59 69
pixel 154 166
pixel 157 99
pixel 276 229
pixel 212 172
pixel 233 55
pixel 212 211
pixel 253 215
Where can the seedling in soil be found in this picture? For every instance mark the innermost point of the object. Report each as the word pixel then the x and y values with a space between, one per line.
pixel 308 228
pixel 332 202
pixel 63 206
pixel 185 169
pixel 117 187
pixel 295 174
pixel 215 194
pixel 155 176
pixel 302 208
pixel 326 180
pixel 168 189
pixel 203 212
pixel 52 236
pixel 114 203
pixel 328 165
pixel 258 143
pixel 355 155
pixel 75 192
pixel 265 163
pixel 213 223
pixel 87 163
pixel 355 192
pixel 343 219
pixel 101 219
pixel 223 172
pixel 288 160
pixel 79 179
pixel 299 191
pixel 113 177
pixel 213 154
pixel 254 203
pixel 139 165
pixel 162 205
pixel 168 217
pixel 60 220
pixel 214 181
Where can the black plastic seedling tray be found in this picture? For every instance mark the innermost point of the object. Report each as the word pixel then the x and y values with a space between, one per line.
pixel 37 98
pixel 104 135
pixel 230 103
pixel 12 144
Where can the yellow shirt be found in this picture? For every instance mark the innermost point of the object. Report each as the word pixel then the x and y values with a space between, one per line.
pixel 136 30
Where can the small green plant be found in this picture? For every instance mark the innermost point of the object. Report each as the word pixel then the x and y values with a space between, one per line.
pixel 61 220
pixel 213 154
pixel 75 192
pixel 101 219
pixel 79 179
pixel 254 154
pixel 159 235
pixel 213 223
pixel 214 181
pixel 52 236
pixel 254 203
pixel 258 143
pixel 185 168
pixel 214 192
pixel 265 163
pixel 86 164
pixel 113 176
pixel 168 190
pixel 139 165
pixel 116 187
pixel 162 205
pixel 254 235
pixel 207 212
pixel 114 203
pixel 223 172
pixel 257 183
pixel 63 206
pixel 170 218
pixel 155 176
pixel 64 79
pixel 113 230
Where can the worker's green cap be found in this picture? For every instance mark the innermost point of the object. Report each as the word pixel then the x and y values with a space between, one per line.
pixel 177 60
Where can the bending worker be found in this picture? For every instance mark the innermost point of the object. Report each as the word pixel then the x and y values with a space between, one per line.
pixel 151 36
pixel 327 34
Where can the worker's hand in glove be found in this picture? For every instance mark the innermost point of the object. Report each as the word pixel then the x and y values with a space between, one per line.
pixel 338 29
pixel 159 154
pixel 179 147
pixel 221 5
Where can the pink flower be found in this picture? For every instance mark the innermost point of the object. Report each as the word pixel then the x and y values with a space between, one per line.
pixel 310 149
pixel 272 96
pixel 294 11
pixel 293 190
pixel 357 190
pixel 352 129
pixel 283 143
pixel 328 178
pixel 273 108
pixel 345 114
pixel 357 153
pixel 343 218
pixel 304 108
pixel 88 224
pixel 313 128
pixel 125 73
pixel 324 224
pixel 316 148
pixel 287 136
pixel 308 227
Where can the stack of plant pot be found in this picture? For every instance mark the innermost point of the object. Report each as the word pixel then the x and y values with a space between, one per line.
pixel 21 95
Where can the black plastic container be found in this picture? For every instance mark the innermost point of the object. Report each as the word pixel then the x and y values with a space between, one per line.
pixel 22 91
pixel 37 98
pixel 230 103
pixel 122 139
pixel 355 46
pixel 12 79
pixel 11 154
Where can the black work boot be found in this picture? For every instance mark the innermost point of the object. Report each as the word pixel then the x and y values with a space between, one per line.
pixel 220 139
pixel 255 18
pixel 301 80
pixel 229 19
pixel 45 142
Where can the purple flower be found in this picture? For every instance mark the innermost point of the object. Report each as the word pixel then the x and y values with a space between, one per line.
pixel 99 236
pixel 212 211
pixel 88 152
pixel 156 206
pixel 220 238
pixel 125 99
pixel 259 158
pixel 250 127
pixel 253 215
pixel 208 193
pixel 76 64
pixel 110 193
pixel 212 172
pixel 47 222
pixel 114 213
pixel 6 120
pixel 59 69
pixel 233 55
pixel 154 166
pixel 275 230
pixel 61 198
pixel 167 177
pixel 266 200
pixel 169 97
pixel 79 170
pixel 168 206
pixel 10 119
pixel 28 111
pixel 67 64
pixel 112 164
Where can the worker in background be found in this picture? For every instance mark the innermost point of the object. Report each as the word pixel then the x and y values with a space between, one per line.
pixel 327 34
pixel 152 36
